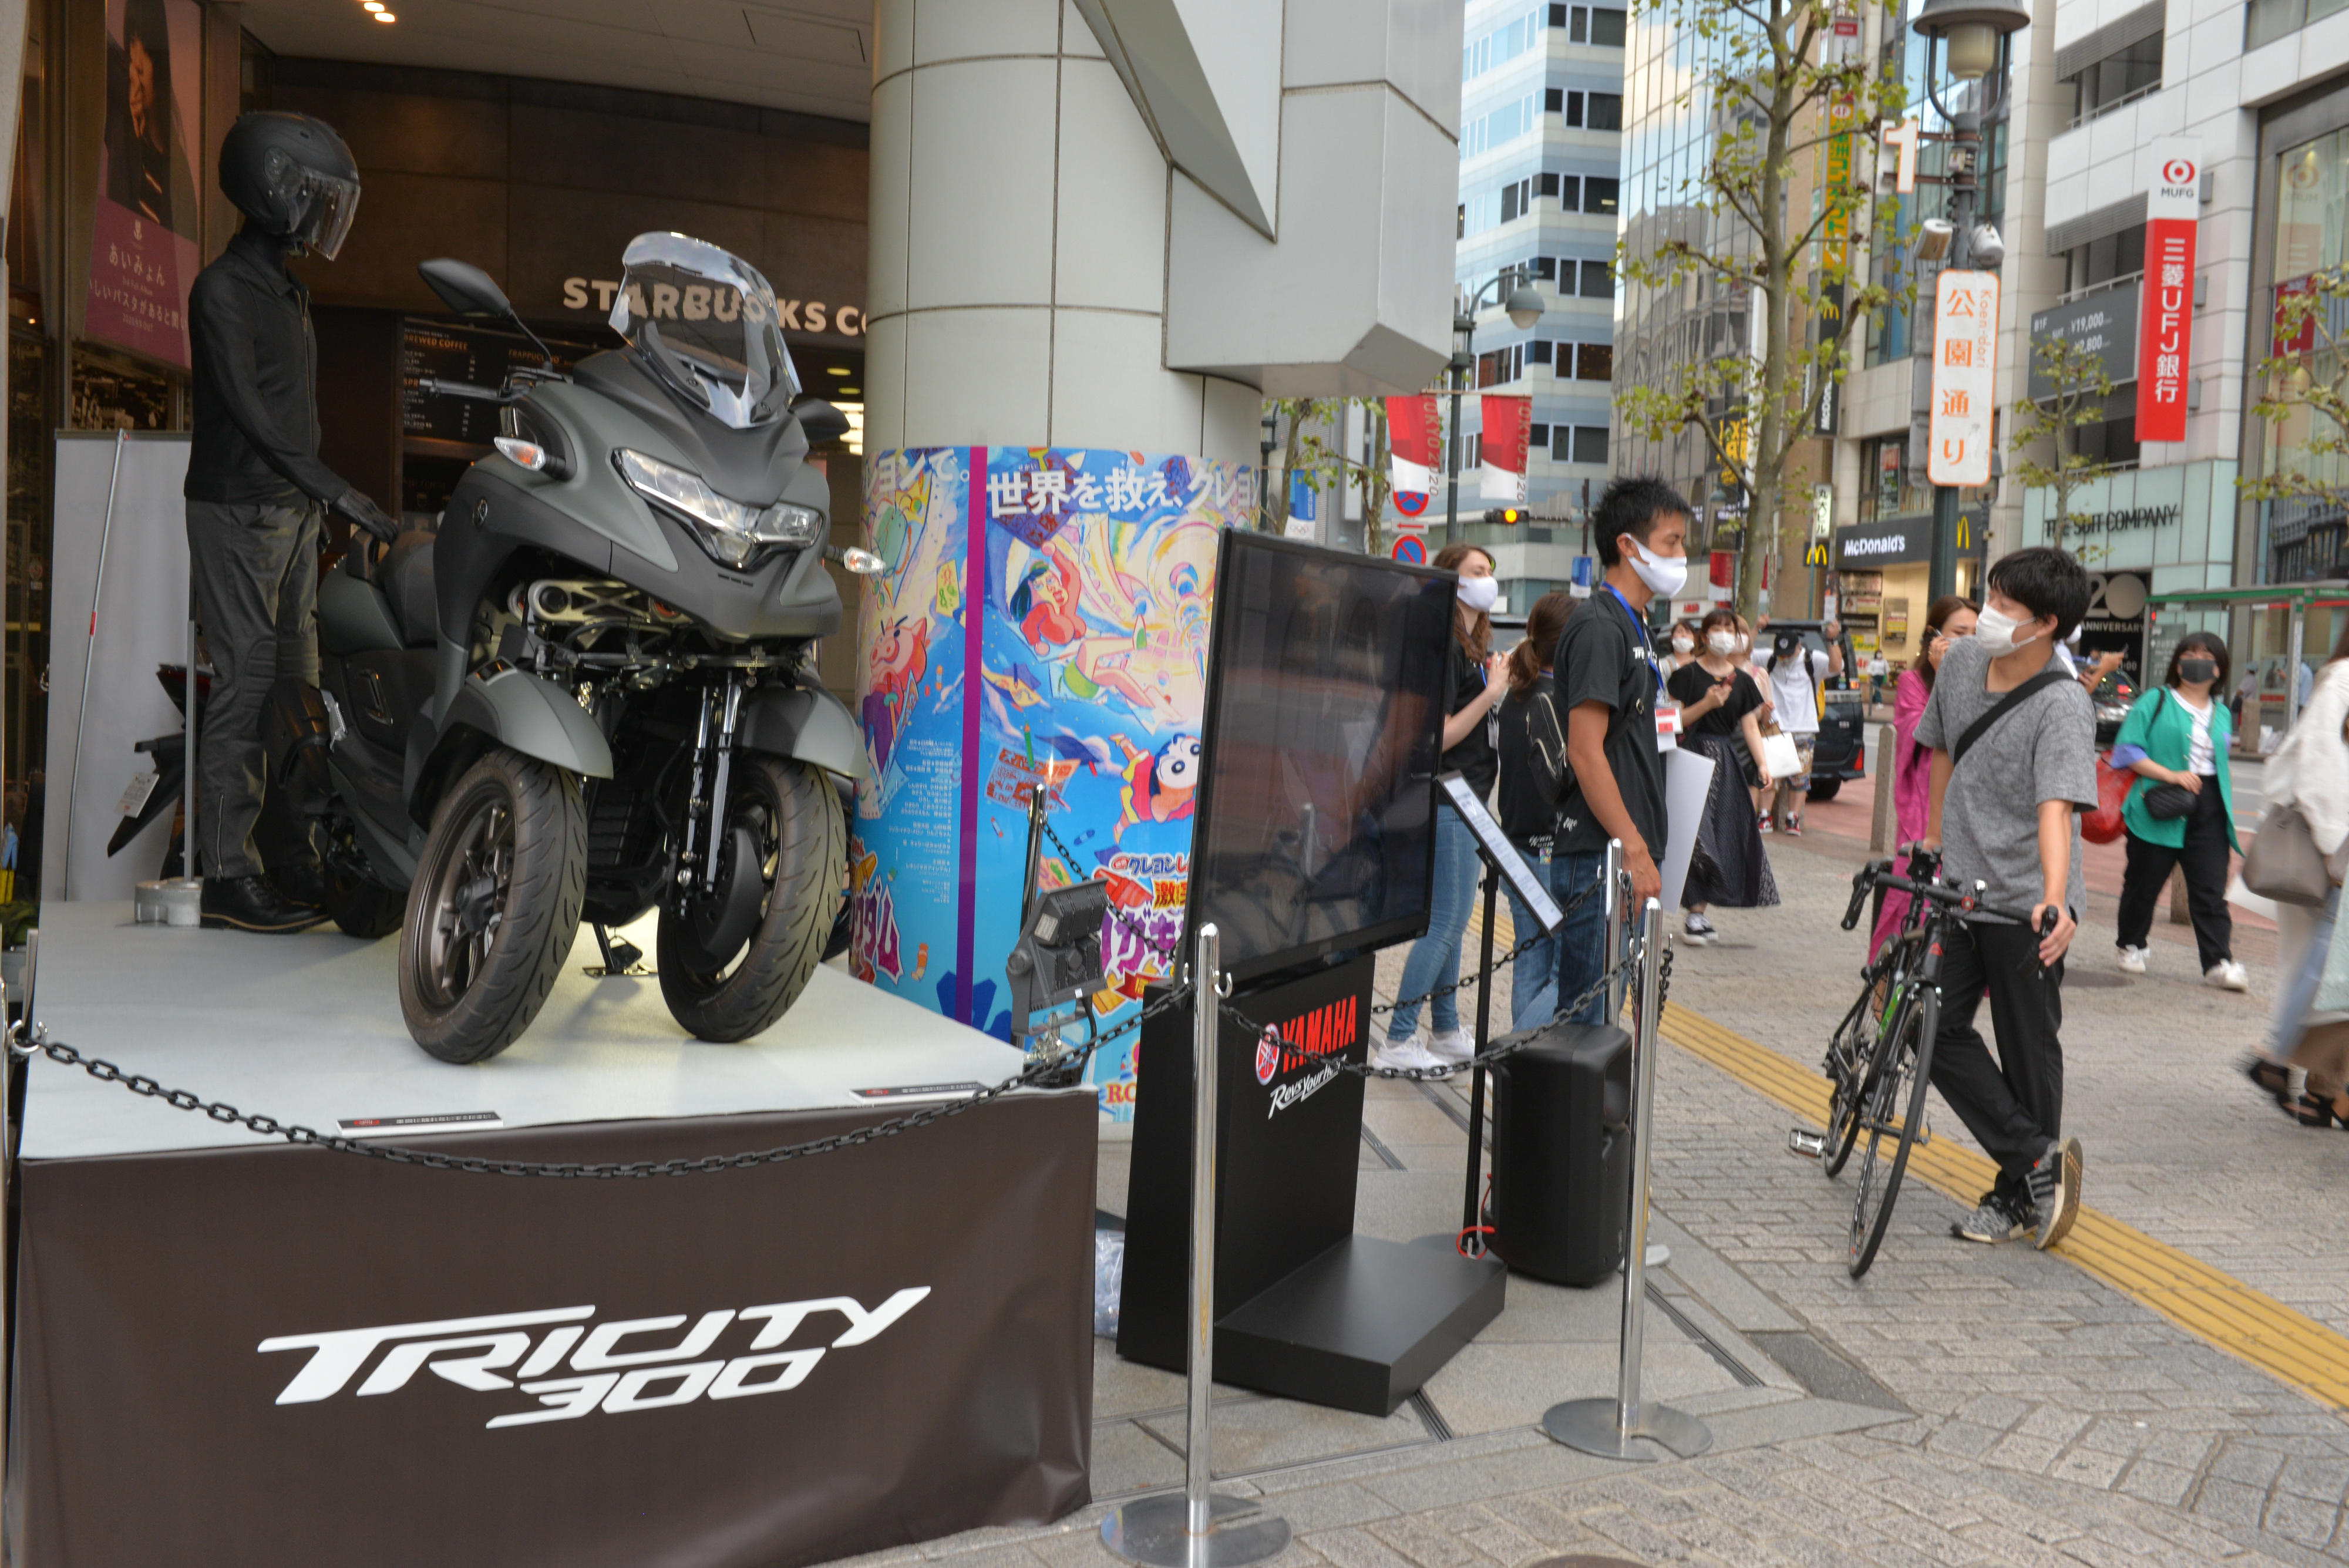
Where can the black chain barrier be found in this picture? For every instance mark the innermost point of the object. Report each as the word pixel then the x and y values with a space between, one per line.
pixel 1491 1054
pixel 1032 1076
pixel 1167 953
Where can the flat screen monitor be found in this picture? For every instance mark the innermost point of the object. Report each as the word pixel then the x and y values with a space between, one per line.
pixel 1316 815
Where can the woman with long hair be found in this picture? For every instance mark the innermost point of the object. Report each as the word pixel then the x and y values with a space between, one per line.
pixel 2309 1030
pixel 1949 618
pixel 2177 740
pixel 1433 962
pixel 1721 709
pixel 1528 812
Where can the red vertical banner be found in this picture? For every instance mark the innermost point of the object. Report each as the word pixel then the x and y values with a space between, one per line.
pixel 1414 449
pixel 2165 337
pixel 1508 434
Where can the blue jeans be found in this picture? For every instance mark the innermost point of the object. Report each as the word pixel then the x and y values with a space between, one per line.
pixel 1533 984
pixel 1582 941
pixel 1434 959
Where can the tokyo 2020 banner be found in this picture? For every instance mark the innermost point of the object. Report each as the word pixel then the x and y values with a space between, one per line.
pixel 1042 623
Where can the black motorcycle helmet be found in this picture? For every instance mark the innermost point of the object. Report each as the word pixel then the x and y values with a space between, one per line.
pixel 293 177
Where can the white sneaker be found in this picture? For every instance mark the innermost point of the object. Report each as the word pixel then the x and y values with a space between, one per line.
pixel 2227 975
pixel 1403 1055
pixel 1451 1046
pixel 2132 961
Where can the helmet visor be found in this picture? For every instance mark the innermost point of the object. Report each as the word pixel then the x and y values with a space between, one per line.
pixel 327 206
pixel 707 322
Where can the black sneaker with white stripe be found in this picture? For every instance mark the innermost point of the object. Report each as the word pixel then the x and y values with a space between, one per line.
pixel 1697 932
pixel 1996 1220
pixel 2055 1190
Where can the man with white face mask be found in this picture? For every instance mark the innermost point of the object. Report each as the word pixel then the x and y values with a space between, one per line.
pixel 1607 677
pixel 2002 815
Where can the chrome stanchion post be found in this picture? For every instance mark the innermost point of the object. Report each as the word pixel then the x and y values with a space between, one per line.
pixel 1617 903
pixel 1194 1528
pixel 1612 1427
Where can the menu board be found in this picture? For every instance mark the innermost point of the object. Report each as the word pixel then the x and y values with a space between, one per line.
pixel 479 355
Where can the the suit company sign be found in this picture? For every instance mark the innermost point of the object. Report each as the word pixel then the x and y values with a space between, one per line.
pixel 570 1368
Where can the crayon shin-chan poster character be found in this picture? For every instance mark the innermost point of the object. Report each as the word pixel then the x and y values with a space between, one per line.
pixel 1041 624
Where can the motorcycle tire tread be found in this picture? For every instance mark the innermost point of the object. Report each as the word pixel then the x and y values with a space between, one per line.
pixel 810 874
pixel 543 903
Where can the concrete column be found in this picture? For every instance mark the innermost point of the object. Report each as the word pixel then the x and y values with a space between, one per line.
pixel 1019 245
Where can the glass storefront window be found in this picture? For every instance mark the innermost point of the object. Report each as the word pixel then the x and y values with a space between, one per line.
pixel 2312 235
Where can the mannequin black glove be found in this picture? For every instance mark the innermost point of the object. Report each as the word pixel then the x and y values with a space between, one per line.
pixel 365 513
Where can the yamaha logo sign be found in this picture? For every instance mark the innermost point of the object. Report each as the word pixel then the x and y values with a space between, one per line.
pixel 567 1367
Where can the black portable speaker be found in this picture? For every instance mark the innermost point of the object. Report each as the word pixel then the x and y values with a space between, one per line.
pixel 1562 1153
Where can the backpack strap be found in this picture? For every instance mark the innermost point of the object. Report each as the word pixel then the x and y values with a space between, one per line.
pixel 2013 699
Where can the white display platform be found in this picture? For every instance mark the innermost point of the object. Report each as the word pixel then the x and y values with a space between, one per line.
pixel 307 1029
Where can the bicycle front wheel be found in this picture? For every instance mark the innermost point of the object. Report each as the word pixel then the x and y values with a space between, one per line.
pixel 1894 1113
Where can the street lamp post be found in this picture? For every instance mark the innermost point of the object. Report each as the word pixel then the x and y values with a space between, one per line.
pixel 1525 308
pixel 1975 34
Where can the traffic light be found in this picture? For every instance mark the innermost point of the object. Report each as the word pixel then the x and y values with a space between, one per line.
pixel 1508 516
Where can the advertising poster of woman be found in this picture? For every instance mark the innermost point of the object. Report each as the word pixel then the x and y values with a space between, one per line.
pixel 143 250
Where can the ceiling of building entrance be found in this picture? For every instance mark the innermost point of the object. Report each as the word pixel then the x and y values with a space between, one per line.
pixel 814 57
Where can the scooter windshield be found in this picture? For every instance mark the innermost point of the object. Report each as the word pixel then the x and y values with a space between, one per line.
pixel 705 321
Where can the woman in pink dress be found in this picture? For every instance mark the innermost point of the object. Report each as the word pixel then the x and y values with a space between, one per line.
pixel 1913 765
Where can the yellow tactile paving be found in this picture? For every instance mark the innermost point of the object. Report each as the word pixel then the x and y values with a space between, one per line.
pixel 2285 1344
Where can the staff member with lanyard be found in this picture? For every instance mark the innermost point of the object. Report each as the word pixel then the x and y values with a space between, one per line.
pixel 1478 681
pixel 1608 678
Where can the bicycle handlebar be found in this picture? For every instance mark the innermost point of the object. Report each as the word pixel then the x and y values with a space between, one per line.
pixel 1877 875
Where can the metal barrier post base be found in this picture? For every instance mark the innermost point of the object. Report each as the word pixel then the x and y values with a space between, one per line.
pixel 1155 1531
pixel 1594 1427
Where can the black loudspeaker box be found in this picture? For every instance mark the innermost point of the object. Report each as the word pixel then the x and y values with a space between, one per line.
pixel 1562 1153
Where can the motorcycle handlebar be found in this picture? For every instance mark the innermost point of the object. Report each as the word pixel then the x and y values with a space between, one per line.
pixel 434 387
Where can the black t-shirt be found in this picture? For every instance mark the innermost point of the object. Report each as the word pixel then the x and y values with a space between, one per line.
pixel 1689 684
pixel 1604 657
pixel 1473 757
pixel 1526 810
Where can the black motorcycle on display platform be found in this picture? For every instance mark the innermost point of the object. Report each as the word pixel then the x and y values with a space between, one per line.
pixel 591 692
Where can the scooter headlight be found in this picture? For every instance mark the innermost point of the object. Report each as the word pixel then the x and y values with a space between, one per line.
pixel 733 533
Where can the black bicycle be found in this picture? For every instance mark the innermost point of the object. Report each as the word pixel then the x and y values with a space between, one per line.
pixel 1881 1058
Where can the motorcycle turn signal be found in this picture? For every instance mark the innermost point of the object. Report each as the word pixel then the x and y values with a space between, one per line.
pixel 863 563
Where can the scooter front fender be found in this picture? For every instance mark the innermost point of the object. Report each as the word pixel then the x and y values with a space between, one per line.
pixel 516 710
pixel 806 724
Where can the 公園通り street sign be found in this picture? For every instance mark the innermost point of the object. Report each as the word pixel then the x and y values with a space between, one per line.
pixel 1965 363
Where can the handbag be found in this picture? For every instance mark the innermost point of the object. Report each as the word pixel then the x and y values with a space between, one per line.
pixel 1779 753
pixel 2169 802
pixel 2104 825
pixel 2283 863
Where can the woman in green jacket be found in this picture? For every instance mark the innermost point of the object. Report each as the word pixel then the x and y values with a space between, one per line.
pixel 2181 810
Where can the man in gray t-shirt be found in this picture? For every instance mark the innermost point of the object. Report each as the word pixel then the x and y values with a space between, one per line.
pixel 2043 749
pixel 2003 815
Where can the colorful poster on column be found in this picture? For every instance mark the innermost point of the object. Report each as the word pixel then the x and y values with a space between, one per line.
pixel 143 252
pixel 1042 624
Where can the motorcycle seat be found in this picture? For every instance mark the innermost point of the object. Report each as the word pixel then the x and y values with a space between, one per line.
pixel 405 576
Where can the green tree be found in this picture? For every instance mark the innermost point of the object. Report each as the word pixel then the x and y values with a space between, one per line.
pixel 2306 406
pixel 2081 386
pixel 1757 71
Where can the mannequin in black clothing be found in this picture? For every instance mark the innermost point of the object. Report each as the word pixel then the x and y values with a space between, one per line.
pixel 256 488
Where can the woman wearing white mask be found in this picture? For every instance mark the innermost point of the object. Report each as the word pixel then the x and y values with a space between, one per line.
pixel 1478 681
pixel 1718 708
pixel 1688 645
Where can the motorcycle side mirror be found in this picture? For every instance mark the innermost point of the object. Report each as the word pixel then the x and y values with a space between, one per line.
pixel 465 288
pixel 820 419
